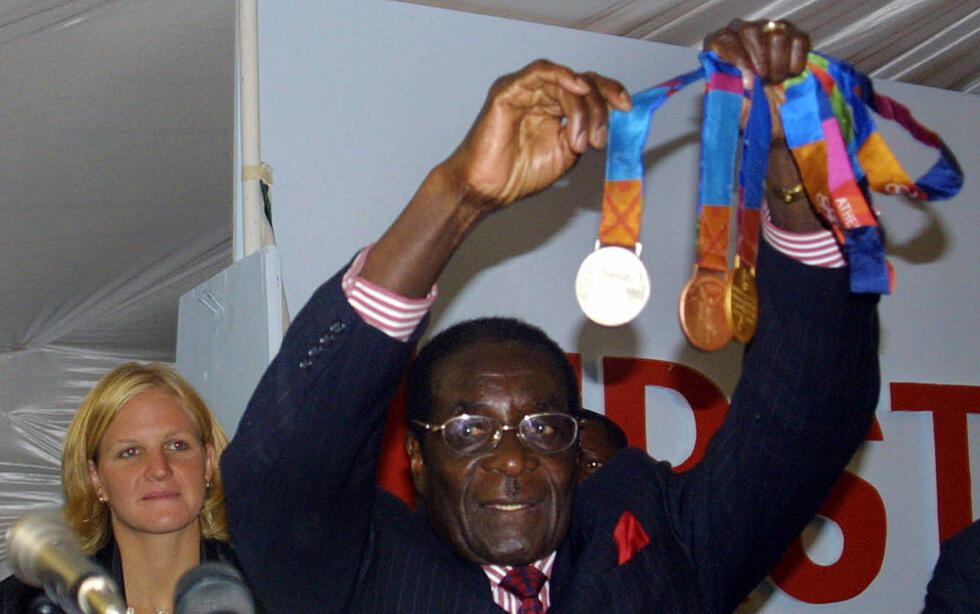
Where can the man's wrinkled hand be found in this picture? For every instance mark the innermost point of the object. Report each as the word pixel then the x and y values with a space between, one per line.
pixel 533 127
pixel 773 50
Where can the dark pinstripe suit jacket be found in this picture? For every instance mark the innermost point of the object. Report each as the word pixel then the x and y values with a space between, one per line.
pixel 955 584
pixel 315 535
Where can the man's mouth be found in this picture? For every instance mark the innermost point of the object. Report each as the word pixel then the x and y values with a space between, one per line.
pixel 509 506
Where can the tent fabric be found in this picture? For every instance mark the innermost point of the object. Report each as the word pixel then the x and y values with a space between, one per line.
pixel 41 389
pixel 118 119
pixel 926 42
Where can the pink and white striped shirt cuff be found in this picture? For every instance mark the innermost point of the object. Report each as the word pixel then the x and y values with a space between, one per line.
pixel 392 314
pixel 507 600
pixel 398 317
pixel 818 249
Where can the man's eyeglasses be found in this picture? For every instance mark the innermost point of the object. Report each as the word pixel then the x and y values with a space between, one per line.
pixel 548 432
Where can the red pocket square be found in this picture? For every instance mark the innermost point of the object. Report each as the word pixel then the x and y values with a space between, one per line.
pixel 629 536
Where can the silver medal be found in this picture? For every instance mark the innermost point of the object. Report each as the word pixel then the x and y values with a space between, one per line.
pixel 612 285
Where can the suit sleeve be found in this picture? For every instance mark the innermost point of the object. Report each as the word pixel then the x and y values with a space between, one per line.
pixel 955 584
pixel 299 474
pixel 803 405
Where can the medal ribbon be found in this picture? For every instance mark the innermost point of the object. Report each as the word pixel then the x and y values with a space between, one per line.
pixel 622 195
pixel 942 181
pixel 835 144
pixel 751 175
pixel 719 145
pixel 622 199
pixel 815 139
pixel 841 154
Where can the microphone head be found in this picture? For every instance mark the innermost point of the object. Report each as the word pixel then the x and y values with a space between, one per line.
pixel 43 551
pixel 213 588
pixel 31 537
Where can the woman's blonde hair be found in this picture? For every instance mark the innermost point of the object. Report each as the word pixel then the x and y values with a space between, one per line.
pixel 84 512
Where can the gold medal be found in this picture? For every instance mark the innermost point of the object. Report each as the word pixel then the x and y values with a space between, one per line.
pixel 701 311
pixel 741 301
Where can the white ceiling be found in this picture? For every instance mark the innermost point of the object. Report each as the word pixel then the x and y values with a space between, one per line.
pixel 117 120
pixel 928 42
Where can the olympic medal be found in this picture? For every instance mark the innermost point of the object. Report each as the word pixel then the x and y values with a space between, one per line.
pixel 612 285
pixel 702 312
pixel 741 302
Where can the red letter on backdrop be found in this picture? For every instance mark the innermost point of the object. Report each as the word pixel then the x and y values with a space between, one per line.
pixel 625 380
pixel 949 406
pixel 854 504
pixel 858 510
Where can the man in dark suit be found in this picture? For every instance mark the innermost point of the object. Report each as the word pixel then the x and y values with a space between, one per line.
pixel 492 452
pixel 955 584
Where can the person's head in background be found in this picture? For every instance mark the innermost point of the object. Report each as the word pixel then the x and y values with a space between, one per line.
pixel 141 457
pixel 600 439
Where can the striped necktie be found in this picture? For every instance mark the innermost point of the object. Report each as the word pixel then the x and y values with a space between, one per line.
pixel 526 583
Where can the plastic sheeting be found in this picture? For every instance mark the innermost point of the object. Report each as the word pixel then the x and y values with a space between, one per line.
pixel 39 393
pixel 118 119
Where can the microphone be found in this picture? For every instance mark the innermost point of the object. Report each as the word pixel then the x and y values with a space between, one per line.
pixel 43 551
pixel 213 588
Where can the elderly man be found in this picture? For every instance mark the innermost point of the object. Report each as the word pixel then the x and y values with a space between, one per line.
pixel 493 447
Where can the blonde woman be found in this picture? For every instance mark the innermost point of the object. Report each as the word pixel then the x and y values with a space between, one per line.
pixel 142 487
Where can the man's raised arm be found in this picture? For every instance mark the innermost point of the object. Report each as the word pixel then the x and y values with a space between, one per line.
pixel 532 129
pixel 300 471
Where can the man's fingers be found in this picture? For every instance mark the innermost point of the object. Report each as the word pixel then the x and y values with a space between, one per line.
pixel 613 92
pixel 562 76
pixel 800 49
pixel 754 40
pixel 774 50
pixel 576 111
pixel 732 49
pixel 604 92
pixel 779 47
pixel 582 100
pixel 788 49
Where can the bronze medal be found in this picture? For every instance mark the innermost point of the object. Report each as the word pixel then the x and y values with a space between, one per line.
pixel 701 311
pixel 741 302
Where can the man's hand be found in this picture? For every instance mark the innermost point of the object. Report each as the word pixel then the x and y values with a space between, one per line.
pixel 532 129
pixel 773 50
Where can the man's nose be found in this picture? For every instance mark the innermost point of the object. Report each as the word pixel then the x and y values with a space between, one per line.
pixel 511 456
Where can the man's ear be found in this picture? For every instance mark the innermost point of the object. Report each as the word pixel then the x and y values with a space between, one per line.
pixel 416 463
